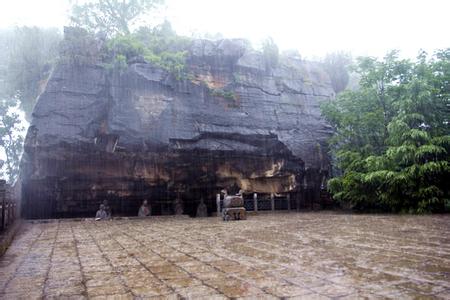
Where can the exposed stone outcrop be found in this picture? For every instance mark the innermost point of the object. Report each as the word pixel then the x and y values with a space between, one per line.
pixel 142 132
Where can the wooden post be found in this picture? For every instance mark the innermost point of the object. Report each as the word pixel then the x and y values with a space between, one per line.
pixel 272 201
pixel 218 204
pixel 255 201
pixel 288 197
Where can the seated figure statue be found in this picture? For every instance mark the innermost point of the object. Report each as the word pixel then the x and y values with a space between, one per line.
pixel 144 210
pixel 202 210
pixel 101 213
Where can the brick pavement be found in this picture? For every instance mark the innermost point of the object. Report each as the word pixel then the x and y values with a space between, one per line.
pixel 299 256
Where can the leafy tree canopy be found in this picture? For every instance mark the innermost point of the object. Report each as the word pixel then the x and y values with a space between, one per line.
pixel 337 66
pixel 391 144
pixel 110 16
pixel 11 139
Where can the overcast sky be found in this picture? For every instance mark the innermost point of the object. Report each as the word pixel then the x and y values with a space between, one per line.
pixel 315 27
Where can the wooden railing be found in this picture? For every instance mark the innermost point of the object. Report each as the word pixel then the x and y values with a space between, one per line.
pixel 8 206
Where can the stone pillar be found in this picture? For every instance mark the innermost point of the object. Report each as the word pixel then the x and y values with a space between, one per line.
pixel 272 201
pixel 255 201
pixel 218 204
pixel 288 197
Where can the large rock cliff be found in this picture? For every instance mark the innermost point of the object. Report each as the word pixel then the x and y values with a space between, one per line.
pixel 127 134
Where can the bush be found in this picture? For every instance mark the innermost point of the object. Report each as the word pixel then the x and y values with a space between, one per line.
pixel 160 46
pixel 125 45
pixel 224 94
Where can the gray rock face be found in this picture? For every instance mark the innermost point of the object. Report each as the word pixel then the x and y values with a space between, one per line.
pixel 142 133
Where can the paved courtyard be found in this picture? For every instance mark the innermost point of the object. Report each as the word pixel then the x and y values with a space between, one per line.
pixel 303 256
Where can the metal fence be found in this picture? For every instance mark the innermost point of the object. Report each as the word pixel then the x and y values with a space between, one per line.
pixel 8 206
pixel 262 204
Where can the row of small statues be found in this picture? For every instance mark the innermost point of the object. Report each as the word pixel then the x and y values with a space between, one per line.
pixel 104 212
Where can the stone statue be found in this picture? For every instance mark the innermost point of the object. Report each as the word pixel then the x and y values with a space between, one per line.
pixel 202 210
pixel 101 213
pixel 232 201
pixel 233 207
pixel 178 207
pixel 144 210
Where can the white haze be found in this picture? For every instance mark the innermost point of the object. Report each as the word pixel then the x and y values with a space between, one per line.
pixel 313 27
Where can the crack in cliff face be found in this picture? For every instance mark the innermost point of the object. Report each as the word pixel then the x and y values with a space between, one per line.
pixel 142 133
pixel 261 89
pixel 288 90
pixel 51 113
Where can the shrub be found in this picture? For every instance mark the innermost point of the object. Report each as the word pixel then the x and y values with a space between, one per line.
pixel 224 94
pixel 160 46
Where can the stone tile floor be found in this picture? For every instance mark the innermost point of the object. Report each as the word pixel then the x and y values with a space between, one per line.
pixel 303 256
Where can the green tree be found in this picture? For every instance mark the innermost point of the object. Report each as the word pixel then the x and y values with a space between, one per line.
pixel 111 16
pixel 391 144
pixel 271 53
pixel 26 58
pixel 337 66
pixel 11 139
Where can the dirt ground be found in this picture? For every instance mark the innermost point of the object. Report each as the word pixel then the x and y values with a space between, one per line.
pixel 298 255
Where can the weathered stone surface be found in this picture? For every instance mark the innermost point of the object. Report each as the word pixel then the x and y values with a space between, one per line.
pixel 143 133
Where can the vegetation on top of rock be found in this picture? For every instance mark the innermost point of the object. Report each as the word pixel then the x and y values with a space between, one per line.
pixel 223 93
pixel 391 144
pixel 160 46
pixel 80 47
pixel 110 16
pixel 337 66
pixel 271 53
